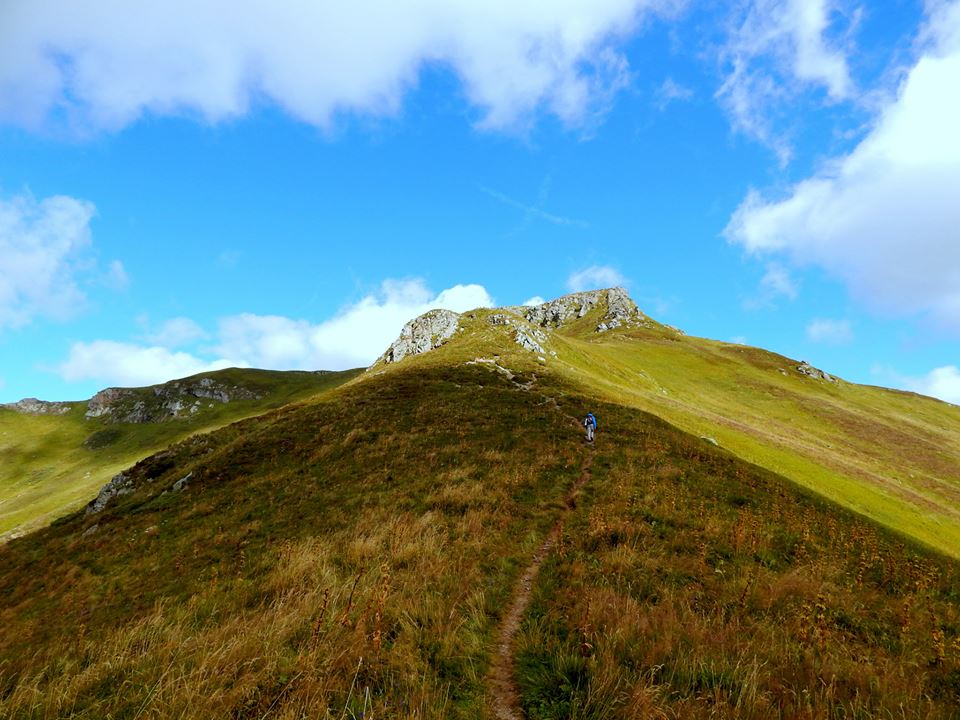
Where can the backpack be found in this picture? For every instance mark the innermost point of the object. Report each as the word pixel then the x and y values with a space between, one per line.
pixel 592 419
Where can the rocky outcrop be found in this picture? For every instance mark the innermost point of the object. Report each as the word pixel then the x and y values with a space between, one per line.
pixel 422 334
pixel 805 368
pixel 180 398
pixel 120 485
pixel 526 335
pixel 621 311
pixel 531 325
pixel 32 406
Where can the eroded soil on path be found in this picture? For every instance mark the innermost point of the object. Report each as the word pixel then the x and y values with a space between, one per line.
pixel 503 689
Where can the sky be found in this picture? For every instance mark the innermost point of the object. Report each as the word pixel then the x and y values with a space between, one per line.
pixel 192 185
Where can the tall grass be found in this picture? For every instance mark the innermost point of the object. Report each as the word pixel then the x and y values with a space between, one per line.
pixel 691 585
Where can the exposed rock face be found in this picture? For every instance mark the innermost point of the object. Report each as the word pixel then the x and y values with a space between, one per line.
pixel 532 326
pixel 621 310
pixel 179 398
pixel 32 406
pixel 422 334
pixel 527 336
pixel 805 368
pixel 118 486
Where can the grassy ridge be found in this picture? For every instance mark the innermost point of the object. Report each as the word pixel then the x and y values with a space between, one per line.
pixel 50 464
pixel 350 552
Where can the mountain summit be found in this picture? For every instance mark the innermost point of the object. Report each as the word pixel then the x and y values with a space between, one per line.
pixel 531 326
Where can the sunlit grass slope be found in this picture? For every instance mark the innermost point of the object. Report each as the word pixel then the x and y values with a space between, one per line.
pixel 890 455
pixel 51 464
pixel 351 556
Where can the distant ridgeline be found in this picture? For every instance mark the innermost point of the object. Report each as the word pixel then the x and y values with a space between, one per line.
pixel 169 401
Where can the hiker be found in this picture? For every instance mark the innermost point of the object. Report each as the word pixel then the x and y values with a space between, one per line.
pixel 590 423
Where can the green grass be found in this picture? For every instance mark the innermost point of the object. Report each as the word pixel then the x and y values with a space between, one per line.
pixel 892 456
pixel 50 464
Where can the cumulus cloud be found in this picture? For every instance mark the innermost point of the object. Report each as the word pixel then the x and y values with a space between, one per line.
pixel 535 300
pixel 777 51
pixel 883 218
pixel 125 364
pixel 833 332
pixel 355 337
pixel 107 62
pixel 42 246
pixel 942 382
pixel 595 277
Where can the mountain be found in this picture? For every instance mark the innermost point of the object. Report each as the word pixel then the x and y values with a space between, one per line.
pixel 435 539
pixel 54 456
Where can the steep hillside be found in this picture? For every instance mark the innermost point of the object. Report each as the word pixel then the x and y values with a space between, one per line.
pixel 359 554
pixel 55 456
pixel 890 455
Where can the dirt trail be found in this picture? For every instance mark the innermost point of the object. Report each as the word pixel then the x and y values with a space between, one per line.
pixel 503 689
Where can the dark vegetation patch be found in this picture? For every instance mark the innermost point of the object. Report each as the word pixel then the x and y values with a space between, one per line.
pixel 103 438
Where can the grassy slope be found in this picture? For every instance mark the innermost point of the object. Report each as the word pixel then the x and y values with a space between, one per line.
pixel 46 469
pixel 892 456
pixel 354 553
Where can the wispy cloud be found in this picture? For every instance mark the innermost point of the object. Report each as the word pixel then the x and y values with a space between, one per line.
pixel 671 91
pixel 775 283
pixel 595 277
pixel 833 332
pixel 534 211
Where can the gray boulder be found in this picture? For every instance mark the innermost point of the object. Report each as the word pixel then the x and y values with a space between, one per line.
pixel 805 368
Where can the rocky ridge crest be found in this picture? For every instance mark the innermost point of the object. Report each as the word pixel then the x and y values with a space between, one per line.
pixel 176 399
pixel 32 406
pixel 531 325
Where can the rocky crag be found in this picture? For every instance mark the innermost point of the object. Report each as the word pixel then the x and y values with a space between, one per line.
pixel 172 400
pixel 531 325
pixel 32 406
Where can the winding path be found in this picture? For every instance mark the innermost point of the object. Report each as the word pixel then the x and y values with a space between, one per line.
pixel 503 688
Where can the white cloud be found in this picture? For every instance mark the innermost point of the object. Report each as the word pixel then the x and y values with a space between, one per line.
pixel 595 277
pixel 116 363
pixel 777 281
pixel 942 382
pixel 834 332
pixel 41 249
pixel 176 332
pixel 738 340
pixel 117 277
pixel 354 337
pixel 883 218
pixel 776 52
pixel 671 91
pixel 107 62
pixel 535 300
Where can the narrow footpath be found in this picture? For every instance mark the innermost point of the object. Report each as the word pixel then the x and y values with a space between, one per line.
pixel 503 687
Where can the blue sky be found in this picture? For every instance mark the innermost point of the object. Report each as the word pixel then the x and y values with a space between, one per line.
pixel 197 186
